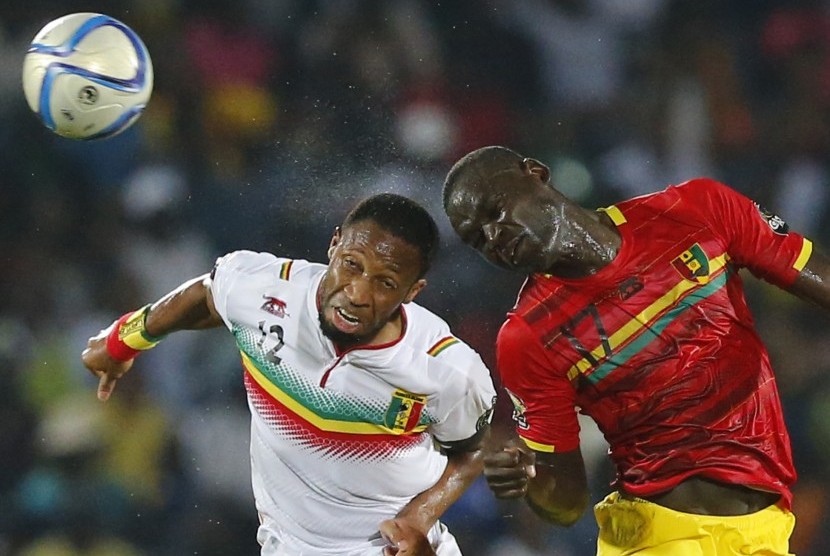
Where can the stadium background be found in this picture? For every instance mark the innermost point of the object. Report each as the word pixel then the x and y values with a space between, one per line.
pixel 269 118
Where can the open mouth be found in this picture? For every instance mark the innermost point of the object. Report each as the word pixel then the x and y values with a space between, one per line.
pixel 348 317
pixel 344 320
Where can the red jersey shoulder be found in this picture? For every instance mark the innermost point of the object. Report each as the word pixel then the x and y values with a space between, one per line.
pixel 513 332
pixel 685 194
pixel 714 195
pixel 521 358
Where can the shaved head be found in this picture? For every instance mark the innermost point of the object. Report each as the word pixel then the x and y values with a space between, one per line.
pixel 479 166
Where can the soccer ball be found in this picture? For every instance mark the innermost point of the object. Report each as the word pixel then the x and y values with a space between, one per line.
pixel 87 76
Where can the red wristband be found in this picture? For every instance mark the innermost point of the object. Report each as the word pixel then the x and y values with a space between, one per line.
pixel 117 349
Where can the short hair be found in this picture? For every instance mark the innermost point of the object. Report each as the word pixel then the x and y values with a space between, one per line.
pixel 480 163
pixel 403 218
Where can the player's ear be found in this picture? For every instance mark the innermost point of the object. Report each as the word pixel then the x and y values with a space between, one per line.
pixel 415 290
pixel 335 239
pixel 536 168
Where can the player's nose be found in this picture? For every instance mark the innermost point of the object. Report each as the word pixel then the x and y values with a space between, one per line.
pixel 492 232
pixel 358 291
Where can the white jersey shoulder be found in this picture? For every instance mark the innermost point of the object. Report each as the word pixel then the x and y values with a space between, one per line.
pixel 463 380
pixel 245 273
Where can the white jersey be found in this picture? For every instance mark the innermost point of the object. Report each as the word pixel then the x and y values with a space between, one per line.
pixel 341 441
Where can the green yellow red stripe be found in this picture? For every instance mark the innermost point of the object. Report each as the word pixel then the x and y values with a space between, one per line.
pixel 285 270
pixel 309 415
pixel 656 328
pixel 441 345
pixel 133 333
pixel 644 318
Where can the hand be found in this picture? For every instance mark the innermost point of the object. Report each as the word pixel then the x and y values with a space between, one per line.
pixel 509 470
pixel 405 539
pixel 97 359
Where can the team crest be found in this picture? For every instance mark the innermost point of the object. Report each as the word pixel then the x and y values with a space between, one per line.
pixel 519 409
pixel 404 411
pixel 274 306
pixel 693 264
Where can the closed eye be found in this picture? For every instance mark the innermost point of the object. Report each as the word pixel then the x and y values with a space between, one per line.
pixel 351 264
pixel 472 235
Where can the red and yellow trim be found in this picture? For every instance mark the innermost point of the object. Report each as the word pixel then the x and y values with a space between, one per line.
pixel 537 446
pixel 804 255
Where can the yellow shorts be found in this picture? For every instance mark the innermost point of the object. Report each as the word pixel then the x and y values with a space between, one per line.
pixel 647 529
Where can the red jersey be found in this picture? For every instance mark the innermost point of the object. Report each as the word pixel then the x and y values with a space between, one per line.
pixel 659 346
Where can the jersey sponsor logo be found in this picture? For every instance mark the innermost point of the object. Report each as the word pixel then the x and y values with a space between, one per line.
pixel 404 412
pixel 274 306
pixel 693 264
pixel 519 409
pixel 775 222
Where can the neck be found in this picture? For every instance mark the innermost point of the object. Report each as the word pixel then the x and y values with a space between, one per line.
pixel 390 331
pixel 586 240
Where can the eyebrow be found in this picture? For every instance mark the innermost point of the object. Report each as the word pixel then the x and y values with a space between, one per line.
pixel 386 262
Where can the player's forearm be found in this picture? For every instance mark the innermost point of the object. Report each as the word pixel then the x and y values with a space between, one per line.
pixel 557 502
pixel 463 468
pixel 813 284
pixel 188 307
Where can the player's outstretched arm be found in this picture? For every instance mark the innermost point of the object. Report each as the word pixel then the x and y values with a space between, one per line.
pixel 110 353
pixel 464 465
pixel 554 485
pixel 813 283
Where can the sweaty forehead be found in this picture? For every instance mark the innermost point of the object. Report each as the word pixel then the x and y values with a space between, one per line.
pixel 468 205
pixel 371 239
pixel 466 200
pixel 481 182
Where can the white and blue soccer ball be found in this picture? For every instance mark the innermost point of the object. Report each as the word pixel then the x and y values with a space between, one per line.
pixel 87 76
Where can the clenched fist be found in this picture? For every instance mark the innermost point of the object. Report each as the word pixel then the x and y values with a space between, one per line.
pixel 509 470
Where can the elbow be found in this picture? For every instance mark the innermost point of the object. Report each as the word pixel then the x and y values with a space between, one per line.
pixel 569 514
pixel 564 513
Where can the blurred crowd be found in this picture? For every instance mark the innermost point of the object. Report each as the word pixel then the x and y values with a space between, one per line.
pixel 268 120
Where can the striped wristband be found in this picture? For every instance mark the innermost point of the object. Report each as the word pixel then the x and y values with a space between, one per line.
pixel 128 336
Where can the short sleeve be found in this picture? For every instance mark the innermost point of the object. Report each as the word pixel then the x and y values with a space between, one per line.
pixel 544 401
pixel 756 238
pixel 227 270
pixel 472 409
